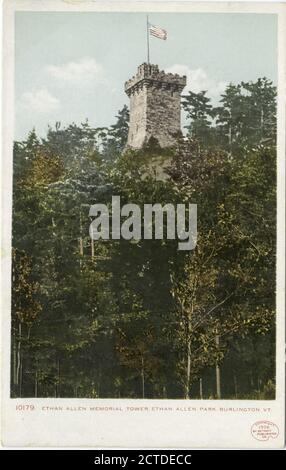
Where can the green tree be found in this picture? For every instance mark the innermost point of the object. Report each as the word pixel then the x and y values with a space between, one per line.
pixel 116 137
pixel 260 112
pixel 199 113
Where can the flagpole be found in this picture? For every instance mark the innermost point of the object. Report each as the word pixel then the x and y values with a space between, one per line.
pixel 148 45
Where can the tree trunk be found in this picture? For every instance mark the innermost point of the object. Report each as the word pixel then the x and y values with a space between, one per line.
pixel 218 379
pixel 218 387
pixel 80 240
pixel 261 124
pixel 57 382
pixel 187 393
pixel 201 389
pixel 142 376
pixel 59 378
pixel 230 137
pixel 14 359
pixel 19 354
pixel 21 379
pixel 36 383
pixel 80 246
pixel 258 384
pixel 235 384
pixel 98 382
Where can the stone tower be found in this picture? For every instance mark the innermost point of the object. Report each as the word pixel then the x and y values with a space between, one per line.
pixel 155 106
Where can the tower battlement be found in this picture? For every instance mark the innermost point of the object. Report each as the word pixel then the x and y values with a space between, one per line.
pixel 152 75
pixel 155 106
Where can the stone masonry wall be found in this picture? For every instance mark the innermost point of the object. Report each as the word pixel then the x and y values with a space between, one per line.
pixel 138 118
pixel 164 115
pixel 155 106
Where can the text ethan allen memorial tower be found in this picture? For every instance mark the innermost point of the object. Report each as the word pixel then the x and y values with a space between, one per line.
pixel 155 106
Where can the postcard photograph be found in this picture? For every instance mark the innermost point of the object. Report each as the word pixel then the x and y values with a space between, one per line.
pixel 144 207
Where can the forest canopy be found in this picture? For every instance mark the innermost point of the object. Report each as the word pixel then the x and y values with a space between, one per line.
pixel 133 319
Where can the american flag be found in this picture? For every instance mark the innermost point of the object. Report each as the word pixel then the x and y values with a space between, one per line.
pixel 158 32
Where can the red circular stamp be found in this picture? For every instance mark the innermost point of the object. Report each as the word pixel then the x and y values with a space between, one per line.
pixel 264 430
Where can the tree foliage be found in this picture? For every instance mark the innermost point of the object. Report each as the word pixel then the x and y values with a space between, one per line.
pixel 138 318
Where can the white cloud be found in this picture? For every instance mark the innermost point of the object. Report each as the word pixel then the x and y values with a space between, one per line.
pixel 198 80
pixel 84 70
pixel 39 101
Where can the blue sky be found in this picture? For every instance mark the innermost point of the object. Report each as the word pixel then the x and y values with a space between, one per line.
pixel 72 66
